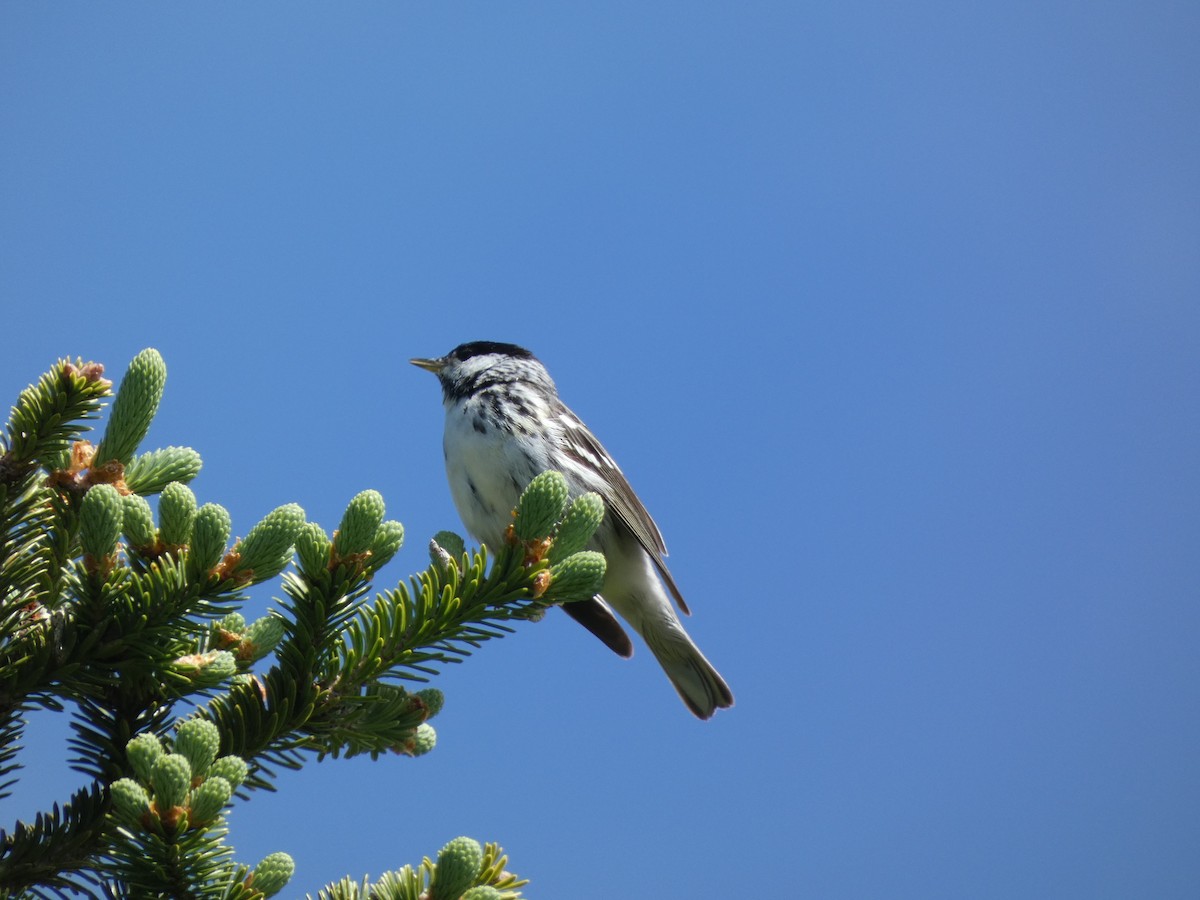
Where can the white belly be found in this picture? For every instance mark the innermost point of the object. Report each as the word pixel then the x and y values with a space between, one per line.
pixel 487 472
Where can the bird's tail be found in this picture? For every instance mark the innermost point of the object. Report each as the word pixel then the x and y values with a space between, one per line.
pixel 700 685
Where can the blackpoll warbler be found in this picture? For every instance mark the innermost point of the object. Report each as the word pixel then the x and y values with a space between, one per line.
pixel 504 425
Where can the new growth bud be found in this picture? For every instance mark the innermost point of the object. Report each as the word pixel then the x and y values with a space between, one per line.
pixel 235 623
pixel 206 669
pixel 137 401
pixel 171 779
pixel 100 518
pixel 360 522
pixel 433 699
pixel 198 740
pixel 388 541
pixel 261 638
pixel 153 471
pixel 138 522
pixel 424 739
pixel 130 800
pixel 540 506
pixel 176 513
pixel 577 526
pixel 458 864
pixel 143 752
pixel 313 547
pixel 272 874
pixel 267 549
pixel 210 534
pixel 577 577
pixel 232 768
pixel 208 800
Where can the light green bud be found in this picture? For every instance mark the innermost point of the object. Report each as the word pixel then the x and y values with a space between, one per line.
pixel 137 401
pixel 143 752
pixel 313 547
pixel 210 535
pixel 272 874
pixel 129 799
pixel 458 865
pixel 137 521
pixel 424 740
pixel 234 622
pixel 206 669
pixel 150 472
pixel 483 892
pixel 176 513
pixel 261 638
pixel 232 768
pixel 433 699
pixel 171 780
pixel 198 740
pixel 388 541
pixel 100 517
pixel 540 506
pixel 208 800
pixel 360 521
pixel 577 526
pixel 577 577
pixel 267 549
pixel 226 633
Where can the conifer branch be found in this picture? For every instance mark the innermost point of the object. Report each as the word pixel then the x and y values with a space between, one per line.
pixel 132 618
pixel 53 851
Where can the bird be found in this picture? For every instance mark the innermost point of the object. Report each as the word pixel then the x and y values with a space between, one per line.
pixel 504 425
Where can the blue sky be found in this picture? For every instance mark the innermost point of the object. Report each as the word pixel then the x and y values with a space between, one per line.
pixel 889 312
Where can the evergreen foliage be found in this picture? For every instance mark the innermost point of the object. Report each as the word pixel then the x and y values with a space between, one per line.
pixel 132 619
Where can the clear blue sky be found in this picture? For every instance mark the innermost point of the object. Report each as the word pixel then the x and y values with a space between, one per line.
pixel 889 311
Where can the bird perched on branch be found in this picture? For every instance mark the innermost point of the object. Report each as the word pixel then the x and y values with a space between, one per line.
pixel 505 424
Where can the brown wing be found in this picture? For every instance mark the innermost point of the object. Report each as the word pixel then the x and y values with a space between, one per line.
pixel 619 497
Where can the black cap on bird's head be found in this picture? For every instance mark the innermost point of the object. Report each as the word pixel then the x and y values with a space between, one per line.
pixel 464 352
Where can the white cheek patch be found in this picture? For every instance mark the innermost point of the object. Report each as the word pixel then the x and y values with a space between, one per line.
pixel 476 364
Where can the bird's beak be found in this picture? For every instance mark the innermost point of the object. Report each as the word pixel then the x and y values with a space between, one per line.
pixel 429 365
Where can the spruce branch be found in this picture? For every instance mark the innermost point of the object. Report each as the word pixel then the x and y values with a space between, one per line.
pixel 325 696
pixel 47 417
pixel 132 618
pixel 463 869
pixel 54 850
